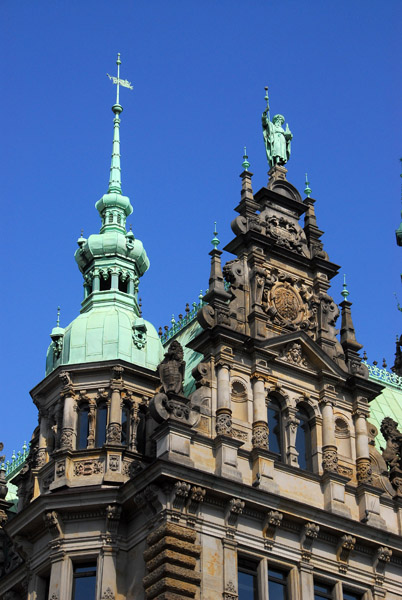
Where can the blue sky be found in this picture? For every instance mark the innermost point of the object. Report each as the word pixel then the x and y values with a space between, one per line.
pixel 199 71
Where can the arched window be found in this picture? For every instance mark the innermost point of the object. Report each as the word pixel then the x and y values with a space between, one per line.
pixel 125 425
pixel 303 440
pixel 83 427
pixel 100 429
pixel 274 426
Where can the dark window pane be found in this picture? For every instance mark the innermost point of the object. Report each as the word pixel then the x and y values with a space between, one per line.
pixel 277 591
pixel 124 425
pixel 247 583
pixel 84 582
pixel 83 424
pixel 303 440
pixel 322 590
pixel 100 435
pixel 277 584
pixel 274 426
pixel 351 596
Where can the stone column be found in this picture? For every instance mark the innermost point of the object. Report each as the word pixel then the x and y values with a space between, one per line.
pixel 223 412
pixel 291 425
pixel 61 577
pixel 363 464
pixel 130 287
pixel 260 423
pixel 115 280
pixel 69 429
pixel 114 426
pixel 42 446
pixel 229 569
pixel 91 423
pixel 96 281
pixel 306 582
pixel 329 449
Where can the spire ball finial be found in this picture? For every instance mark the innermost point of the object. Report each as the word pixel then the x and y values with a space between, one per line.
pixel 118 61
pixel 215 242
pixel 344 292
pixel 58 317
pixel 245 163
pixel 307 189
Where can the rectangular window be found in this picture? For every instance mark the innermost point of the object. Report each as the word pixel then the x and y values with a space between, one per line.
pixel 277 584
pixel 247 580
pixel 347 595
pixel 323 590
pixel 84 582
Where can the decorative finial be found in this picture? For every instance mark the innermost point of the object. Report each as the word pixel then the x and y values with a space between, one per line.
pixel 307 189
pixel 58 317
pixel 344 292
pixel 140 306
pixel 245 163
pixel 201 295
pixel 215 242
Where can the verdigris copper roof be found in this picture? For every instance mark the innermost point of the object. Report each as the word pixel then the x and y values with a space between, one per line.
pixel 388 403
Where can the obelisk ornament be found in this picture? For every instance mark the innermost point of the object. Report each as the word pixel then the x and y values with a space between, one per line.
pixel 276 139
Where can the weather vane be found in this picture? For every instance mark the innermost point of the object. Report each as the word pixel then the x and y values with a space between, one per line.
pixel 118 81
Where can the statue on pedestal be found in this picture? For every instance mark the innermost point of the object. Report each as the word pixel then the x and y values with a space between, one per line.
pixel 277 140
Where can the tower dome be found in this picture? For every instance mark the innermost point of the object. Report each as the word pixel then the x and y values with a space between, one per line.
pixel 112 261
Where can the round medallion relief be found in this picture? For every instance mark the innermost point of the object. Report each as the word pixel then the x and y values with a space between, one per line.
pixel 286 301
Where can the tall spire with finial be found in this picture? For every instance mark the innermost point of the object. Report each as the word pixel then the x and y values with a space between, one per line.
pixel 349 343
pixel 217 295
pixel 115 170
pixel 119 206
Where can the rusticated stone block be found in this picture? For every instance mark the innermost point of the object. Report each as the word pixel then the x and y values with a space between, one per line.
pixel 167 570
pixel 174 558
pixel 167 584
pixel 171 560
pixel 171 529
pixel 170 543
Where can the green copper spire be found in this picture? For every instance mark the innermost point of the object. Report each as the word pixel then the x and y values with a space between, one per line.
pixel 344 292
pixel 113 207
pixel 115 170
pixel 307 189
pixel 215 242
pixel 245 162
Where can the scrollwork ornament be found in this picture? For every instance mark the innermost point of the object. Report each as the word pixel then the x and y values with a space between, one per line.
pixel 224 424
pixel 66 439
pixel 260 436
pixel 364 471
pixel 330 460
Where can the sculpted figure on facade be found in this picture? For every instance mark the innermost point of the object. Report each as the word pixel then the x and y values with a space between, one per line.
pixel 171 369
pixel 392 453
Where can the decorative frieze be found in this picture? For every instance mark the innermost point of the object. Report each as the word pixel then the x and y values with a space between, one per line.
pixel 88 467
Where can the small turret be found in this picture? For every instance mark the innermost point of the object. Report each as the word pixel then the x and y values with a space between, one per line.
pixel 349 343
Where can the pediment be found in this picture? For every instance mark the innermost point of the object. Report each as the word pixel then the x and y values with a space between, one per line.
pixel 298 350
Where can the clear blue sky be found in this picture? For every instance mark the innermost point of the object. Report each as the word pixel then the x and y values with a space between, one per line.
pixel 199 71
